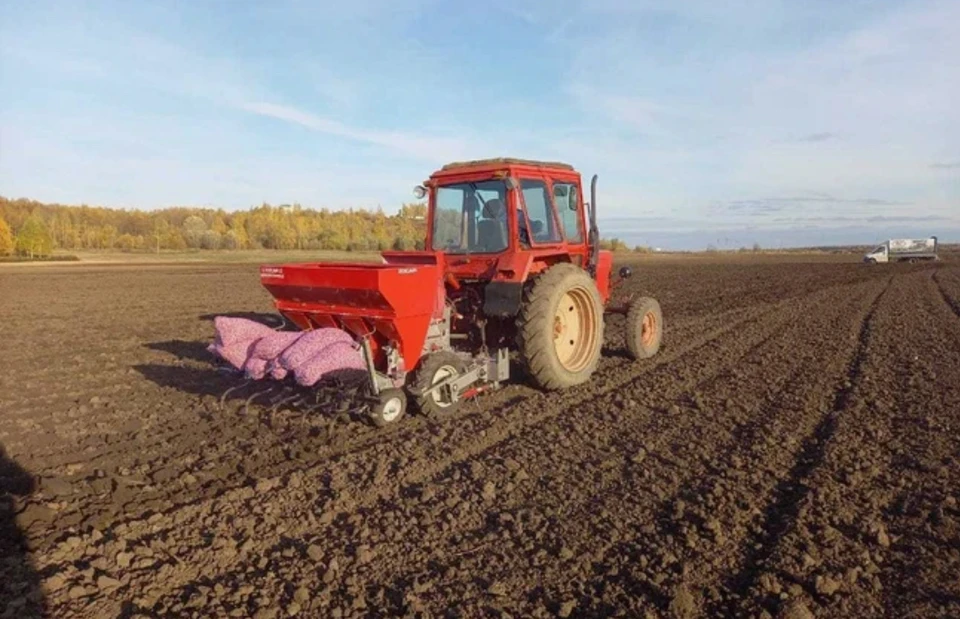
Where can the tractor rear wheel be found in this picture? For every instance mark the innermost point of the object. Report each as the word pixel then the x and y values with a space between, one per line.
pixel 644 328
pixel 560 327
pixel 434 368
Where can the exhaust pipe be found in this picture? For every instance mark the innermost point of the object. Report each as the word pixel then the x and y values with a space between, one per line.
pixel 594 235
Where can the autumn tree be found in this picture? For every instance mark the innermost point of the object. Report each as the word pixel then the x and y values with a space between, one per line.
pixel 6 238
pixel 34 238
pixel 193 230
pixel 265 226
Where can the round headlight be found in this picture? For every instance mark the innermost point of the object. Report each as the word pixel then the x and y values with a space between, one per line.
pixel 419 192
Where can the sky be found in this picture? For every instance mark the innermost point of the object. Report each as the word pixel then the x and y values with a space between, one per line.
pixel 725 123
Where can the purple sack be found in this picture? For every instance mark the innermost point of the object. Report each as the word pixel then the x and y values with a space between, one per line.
pixel 255 368
pixel 312 342
pixel 234 337
pixel 270 346
pixel 231 330
pixel 336 356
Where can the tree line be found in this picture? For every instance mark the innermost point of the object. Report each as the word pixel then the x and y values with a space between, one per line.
pixel 32 228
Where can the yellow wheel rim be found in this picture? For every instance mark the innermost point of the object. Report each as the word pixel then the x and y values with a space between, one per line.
pixel 575 329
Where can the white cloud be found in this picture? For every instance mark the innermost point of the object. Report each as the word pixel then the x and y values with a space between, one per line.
pixel 421 146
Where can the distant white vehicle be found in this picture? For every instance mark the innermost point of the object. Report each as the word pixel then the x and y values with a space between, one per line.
pixel 903 250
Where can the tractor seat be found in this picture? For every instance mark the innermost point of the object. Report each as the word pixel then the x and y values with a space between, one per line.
pixel 492 229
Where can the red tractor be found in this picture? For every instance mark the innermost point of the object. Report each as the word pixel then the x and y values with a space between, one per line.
pixel 512 263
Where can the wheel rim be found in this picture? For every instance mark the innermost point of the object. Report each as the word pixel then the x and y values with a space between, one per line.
pixel 443 373
pixel 392 409
pixel 648 329
pixel 574 329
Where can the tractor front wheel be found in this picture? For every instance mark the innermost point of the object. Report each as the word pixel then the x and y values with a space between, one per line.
pixel 644 328
pixel 390 408
pixel 435 368
pixel 560 328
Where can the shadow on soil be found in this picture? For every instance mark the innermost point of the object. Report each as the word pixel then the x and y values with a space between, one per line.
pixel 189 379
pixel 335 396
pixel 182 349
pixel 20 592
pixel 271 320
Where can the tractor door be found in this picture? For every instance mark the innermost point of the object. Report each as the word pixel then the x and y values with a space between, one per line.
pixel 537 222
pixel 569 206
pixel 550 216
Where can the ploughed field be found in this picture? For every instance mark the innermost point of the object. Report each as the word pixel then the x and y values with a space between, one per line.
pixel 793 450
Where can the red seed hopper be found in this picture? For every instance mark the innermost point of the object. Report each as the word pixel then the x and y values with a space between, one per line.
pixel 386 306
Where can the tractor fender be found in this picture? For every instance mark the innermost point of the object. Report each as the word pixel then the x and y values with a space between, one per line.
pixel 503 295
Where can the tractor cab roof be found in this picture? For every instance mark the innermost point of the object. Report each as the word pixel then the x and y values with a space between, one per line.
pixel 504 164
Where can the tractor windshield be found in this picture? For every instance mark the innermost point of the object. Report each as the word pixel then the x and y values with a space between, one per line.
pixel 470 218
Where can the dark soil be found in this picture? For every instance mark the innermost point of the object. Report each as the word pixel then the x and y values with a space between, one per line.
pixel 792 451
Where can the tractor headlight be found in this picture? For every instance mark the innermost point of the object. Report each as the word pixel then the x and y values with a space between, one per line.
pixel 419 192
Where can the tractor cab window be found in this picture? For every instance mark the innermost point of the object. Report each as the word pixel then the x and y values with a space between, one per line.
pixel 470 218
pixel 539 226
pixel 567 203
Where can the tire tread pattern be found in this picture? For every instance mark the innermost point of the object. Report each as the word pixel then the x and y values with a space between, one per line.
pixel 536 313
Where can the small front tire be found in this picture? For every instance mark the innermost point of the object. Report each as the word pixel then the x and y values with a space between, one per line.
pixel 644 328
pixel 390 409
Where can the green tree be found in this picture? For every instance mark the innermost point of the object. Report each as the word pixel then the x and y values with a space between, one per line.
pixel 193 229
pixel 6 239
pixel 211 239
pixel 614 244
pixel 34 238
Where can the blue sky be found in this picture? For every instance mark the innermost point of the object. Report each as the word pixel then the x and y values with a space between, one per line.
pixel 729 123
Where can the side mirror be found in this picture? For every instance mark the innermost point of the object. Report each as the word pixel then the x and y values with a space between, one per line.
pixel 625 272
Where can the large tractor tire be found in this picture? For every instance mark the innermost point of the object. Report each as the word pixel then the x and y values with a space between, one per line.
pixel 434 368
pixel 560 328
pixel 644 328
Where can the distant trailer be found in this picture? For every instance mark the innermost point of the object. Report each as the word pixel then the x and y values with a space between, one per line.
pixel 903 250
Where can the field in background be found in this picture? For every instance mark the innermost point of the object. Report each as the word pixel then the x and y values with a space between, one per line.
pixel 272 256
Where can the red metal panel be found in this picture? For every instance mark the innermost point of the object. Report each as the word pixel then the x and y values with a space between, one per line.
pixel 393 302
pixel 604 266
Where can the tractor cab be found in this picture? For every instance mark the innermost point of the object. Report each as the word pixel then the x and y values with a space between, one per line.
pixel 503 221
pixel 493 206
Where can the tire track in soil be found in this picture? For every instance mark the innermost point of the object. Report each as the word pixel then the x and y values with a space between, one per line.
pixel 603 558
pixel 705 516
pixel 921 514
pixel 838 550
pixel 355 504
pixel 775 330
pixel 782 510
pixel 952 302
pixel 878 481
pixel 944 304
pixel 650 543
